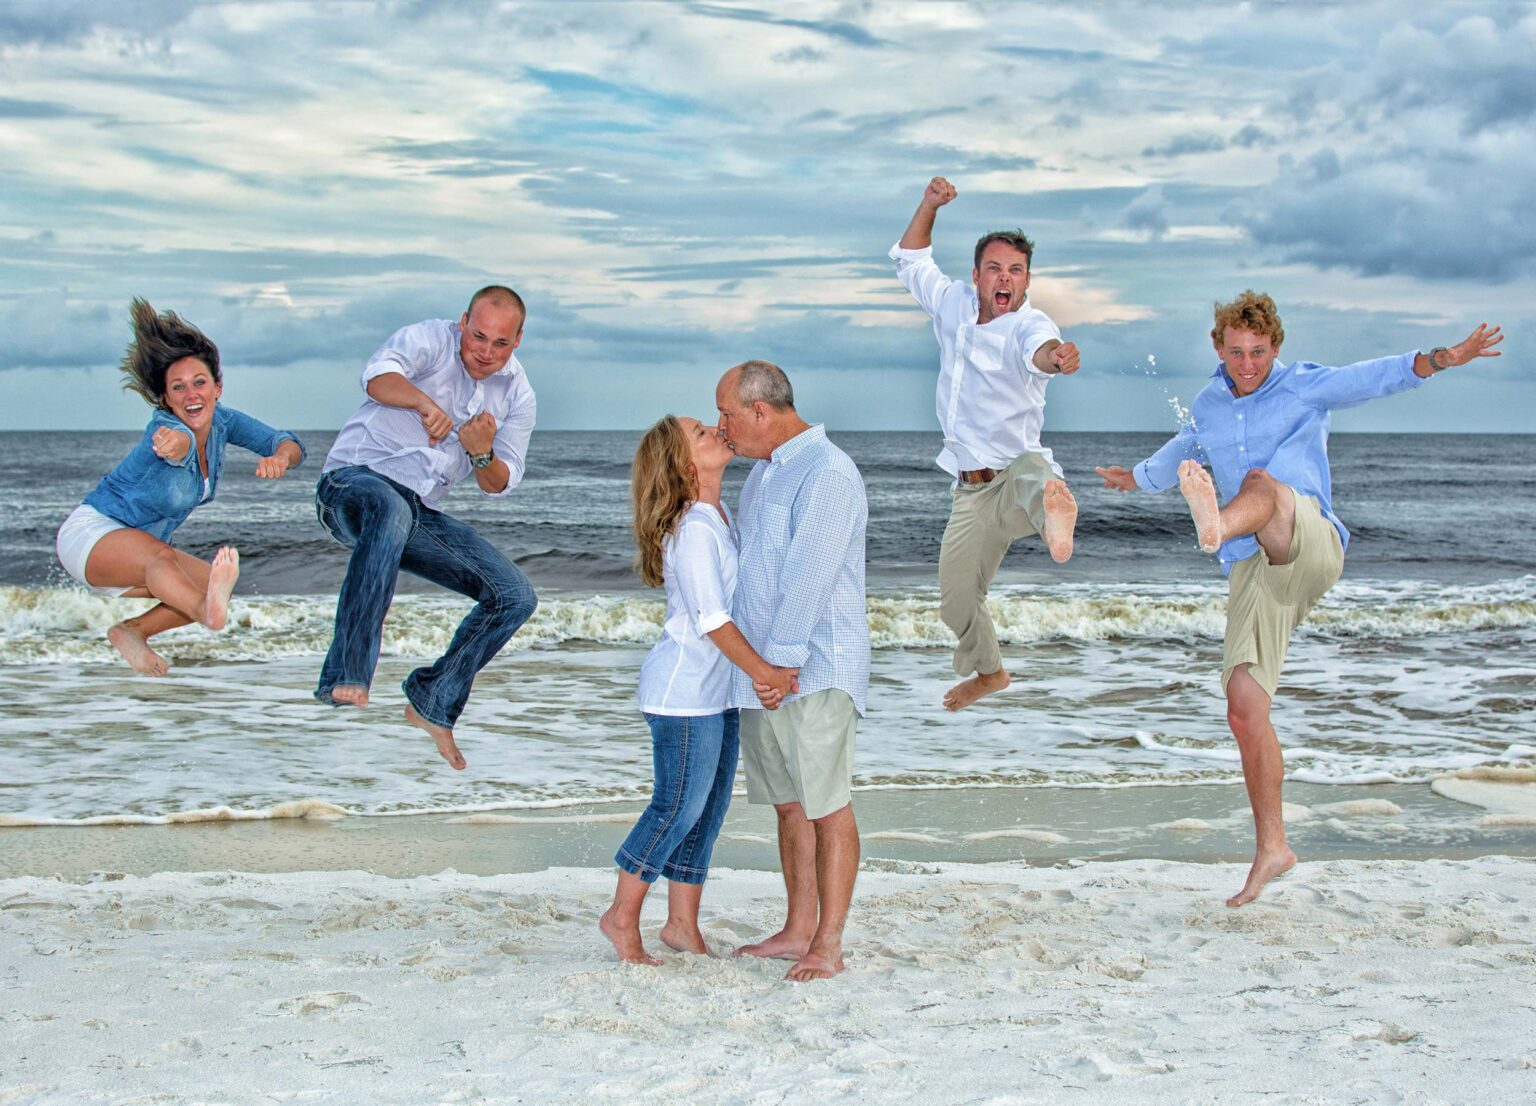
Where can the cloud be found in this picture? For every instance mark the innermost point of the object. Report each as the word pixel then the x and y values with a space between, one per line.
pixel 1252 135
pixel 1191 142
pixel 53 22
pixel 850 33
pixel 1146 214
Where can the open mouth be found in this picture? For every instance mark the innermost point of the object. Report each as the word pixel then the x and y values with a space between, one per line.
pixel 1001 300
pixel 194 408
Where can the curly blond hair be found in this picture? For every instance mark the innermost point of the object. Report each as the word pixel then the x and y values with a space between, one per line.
pixel 1253 311
pixel 662 484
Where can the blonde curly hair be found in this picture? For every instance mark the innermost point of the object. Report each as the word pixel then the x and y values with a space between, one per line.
pixel 1253 311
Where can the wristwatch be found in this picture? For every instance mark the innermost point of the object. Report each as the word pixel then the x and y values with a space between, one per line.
pixel 482 460
pixel 1435 366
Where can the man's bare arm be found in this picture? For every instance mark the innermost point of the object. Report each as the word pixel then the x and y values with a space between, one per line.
pixel 1056 356
pixel 919 234
pixel 1479 343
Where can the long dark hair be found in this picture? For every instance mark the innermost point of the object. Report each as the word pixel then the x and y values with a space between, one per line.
pixel 159 341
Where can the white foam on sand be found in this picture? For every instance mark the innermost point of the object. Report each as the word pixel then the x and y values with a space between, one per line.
pixel 1191 825
pixel 1043 837
pixel 1503 793
pixel 1105 982
pixel 1360 808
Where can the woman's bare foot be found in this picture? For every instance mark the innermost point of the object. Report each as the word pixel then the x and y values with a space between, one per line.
pixel 221 582
pixel 136 651
pixel 626 939
pixel 816 965
pixel 440 734
pixel 682 938
pixel 1060 521
pixel 781 946
pixel 1265 868
pixel 968 691
pixel 352 695
pixel 1200 494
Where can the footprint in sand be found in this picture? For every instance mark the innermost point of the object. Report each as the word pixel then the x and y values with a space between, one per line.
pixel 320 1003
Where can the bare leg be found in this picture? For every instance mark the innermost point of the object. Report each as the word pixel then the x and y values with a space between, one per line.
pixel 1060 521
pixel 968 691
pixel 682 929
pixel 1263 771
pixel 837 867
pixel 221 583
pixel 1263 507
pixel 620 923
pixel 442 735
pixel 355 695
pixel 130 637
pixel 797 856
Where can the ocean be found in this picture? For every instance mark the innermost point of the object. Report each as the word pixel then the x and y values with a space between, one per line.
pixel 1419 662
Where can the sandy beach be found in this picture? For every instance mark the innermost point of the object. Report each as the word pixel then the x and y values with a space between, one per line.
pixel 1353 981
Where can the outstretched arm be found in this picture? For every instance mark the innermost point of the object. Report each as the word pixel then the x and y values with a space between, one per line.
pixel 919 234
pixel 1479 343
pixel 392 389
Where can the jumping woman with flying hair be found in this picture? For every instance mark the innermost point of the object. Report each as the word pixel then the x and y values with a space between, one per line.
pixel 115 543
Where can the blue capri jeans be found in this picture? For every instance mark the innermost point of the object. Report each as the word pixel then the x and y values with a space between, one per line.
pixel 695 764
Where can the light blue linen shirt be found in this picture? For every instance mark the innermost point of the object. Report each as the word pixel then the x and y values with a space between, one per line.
pixel 800 583
pixel 1282 427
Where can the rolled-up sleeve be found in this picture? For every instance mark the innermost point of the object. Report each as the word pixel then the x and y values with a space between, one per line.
pixel 1031 334
pixel 921 276
pixel 818 549
pixel 513 432
pixel 410 351
pixel 1160 471
pixel 700 583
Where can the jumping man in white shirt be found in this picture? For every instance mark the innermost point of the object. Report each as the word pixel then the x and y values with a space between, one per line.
pixel 996 355
pixel 446 402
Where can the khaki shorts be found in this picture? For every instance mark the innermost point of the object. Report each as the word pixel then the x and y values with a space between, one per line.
pixel 802 752
pixel 1266 602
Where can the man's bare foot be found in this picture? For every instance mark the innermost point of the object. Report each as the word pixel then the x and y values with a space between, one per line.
pixel 1060 520
pixel 352 695
pixel 1265 868
pixel 681 938
pixel 1200 494
pixel 780 946
pixel 626 940
pixel 816 965
pixel 221 582
pixel 440 734
pixel 136 651
pixel 968 691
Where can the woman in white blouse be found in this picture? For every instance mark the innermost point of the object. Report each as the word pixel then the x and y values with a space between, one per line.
pixel 686 545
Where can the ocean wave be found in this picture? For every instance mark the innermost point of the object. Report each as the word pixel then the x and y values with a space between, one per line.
pixel 42 625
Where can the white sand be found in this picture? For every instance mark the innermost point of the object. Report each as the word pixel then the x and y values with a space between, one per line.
pixel 1351 981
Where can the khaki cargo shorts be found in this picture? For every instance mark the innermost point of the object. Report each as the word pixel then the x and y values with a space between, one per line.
pixel 1266 602
pixel 802 752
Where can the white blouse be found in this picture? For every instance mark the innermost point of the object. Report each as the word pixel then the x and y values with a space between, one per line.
pixel 684 673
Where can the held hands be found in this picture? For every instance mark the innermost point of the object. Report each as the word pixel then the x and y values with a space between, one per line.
pixel 938 193
pixel 1479 343
pixel 1117 478
pixel 437 424
pixel 780 682
pixel 478 434
pixel 171 445
pixel 273 467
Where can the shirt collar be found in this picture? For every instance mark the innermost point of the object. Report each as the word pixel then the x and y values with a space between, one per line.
pixel 798 444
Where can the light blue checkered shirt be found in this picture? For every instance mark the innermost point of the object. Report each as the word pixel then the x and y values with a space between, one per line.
pixel 800 586
pixel 1281 428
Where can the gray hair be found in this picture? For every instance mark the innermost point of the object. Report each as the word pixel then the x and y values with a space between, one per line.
pixel 764 381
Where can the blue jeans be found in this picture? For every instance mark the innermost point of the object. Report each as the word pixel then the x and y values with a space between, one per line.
pixel 389 528
pixel 695 763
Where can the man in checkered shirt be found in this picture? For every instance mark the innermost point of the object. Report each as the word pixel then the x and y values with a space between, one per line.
pixel 800 602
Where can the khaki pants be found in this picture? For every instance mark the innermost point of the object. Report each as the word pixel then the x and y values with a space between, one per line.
pixel 1266 602
pixel 983 521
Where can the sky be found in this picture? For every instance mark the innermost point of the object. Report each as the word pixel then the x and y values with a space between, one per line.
pixel 678 187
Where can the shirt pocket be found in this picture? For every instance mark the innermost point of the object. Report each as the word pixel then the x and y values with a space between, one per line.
pixel 985 349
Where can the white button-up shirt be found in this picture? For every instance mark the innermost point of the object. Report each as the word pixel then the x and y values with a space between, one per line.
pixel 391 440
pixel 991 397
pixel 800 591
pixel 685 673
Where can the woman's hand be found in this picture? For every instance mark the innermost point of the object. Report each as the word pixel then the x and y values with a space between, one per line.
pixel 273 467
pixel 171 445
pixel 774 683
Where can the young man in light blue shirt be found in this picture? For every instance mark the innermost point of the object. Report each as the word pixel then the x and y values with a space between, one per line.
pixel 1262 426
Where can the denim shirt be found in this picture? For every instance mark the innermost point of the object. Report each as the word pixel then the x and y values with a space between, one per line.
pixel 1281 427
pixel 156 496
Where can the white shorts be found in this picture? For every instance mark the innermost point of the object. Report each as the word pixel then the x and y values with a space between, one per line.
pixel 78 536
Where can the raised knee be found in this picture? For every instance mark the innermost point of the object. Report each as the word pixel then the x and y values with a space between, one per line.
pixel 1257 478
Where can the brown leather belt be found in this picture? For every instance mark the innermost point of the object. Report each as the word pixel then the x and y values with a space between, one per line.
pixel 977 476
